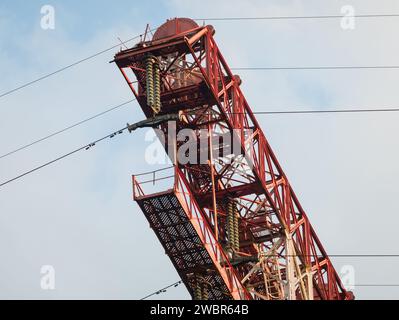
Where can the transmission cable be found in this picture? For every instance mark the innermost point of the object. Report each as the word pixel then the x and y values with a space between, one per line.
pixel 198 19
pixel 342 110
pixel 315 68
pixel 70 65
pixel 175 284
pixel 85 147
pixel 66 128
pixel 393 15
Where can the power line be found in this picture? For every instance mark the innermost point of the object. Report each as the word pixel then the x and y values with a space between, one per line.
pixel 342 110
pixel 73 64
pixel 375 285
pixel 328 111
pixel 66 128
pixel 85 147
pixel 369 255
pixel 393 15
pixel 121 130
pixel 360 255
pixel 255 112
pixel 175 284
pixel 315 68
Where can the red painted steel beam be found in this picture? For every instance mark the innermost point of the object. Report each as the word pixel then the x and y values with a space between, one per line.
pixel 279 250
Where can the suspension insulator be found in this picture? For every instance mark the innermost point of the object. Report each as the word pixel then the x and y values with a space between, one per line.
pixel 197 290
pixel 205 293
pixel 157 88
pixel 230 224
pixel 200 288
pixel 236 230
pixel 149 80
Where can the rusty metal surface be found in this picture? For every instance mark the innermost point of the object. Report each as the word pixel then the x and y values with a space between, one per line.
pixel 173 27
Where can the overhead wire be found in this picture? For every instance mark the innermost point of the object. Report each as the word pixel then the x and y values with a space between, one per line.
pixel 389 15
pixel 73 64
pixel 314 68
pixel 175 284
pixel 25 146
pixel 162 290
pixel 88 146
pixel 238 68
pixel 85 147
pixel 339 110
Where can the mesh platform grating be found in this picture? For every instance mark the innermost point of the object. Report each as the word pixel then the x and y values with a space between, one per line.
pixel 181 242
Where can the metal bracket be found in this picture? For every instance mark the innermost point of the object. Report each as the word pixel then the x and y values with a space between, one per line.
pixel 154 121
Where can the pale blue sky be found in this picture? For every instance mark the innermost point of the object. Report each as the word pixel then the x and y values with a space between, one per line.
pixel 78 214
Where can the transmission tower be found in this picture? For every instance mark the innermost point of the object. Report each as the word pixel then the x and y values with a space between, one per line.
pixel 228 220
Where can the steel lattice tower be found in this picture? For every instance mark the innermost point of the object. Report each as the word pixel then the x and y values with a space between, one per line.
pixel 231 225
